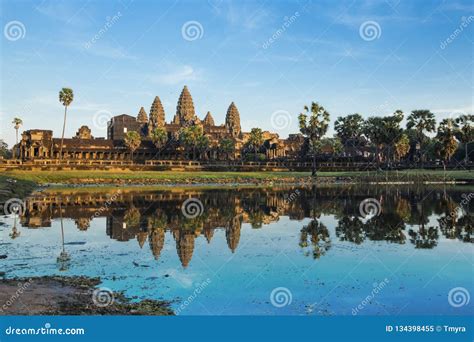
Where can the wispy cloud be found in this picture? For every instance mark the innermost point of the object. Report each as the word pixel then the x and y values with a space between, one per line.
pixel 243 14
pixel 64 11
pixel 180 75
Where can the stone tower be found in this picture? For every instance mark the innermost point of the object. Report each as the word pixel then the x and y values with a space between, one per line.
pixel 208 120
pixel 232 120
pixel 157 115
pixel 185 113
pixel 142 117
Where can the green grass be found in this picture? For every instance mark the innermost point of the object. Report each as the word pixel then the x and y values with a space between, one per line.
pixel 14 188
pixel 63 177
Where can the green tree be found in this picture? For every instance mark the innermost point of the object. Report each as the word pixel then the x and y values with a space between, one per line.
pixel 402 146
pixel 421 120
pixel 393 132
pixel 314 123
pixel 465 132
pixel 4 151
pixel 349 128
pixel 17 124
pixel 374 130
pixel 446 140
pixel 159 137
pixel 132 141
pixel 202 145
pixel 189 138
pixel 255 140
pixel 66 96
pixel 226 146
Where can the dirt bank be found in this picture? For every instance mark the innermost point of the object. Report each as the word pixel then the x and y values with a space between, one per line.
pixel 70 296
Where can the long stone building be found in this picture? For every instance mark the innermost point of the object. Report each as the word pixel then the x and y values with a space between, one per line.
pixel 40 144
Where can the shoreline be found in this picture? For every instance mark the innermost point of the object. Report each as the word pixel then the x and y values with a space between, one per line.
pixel 77 295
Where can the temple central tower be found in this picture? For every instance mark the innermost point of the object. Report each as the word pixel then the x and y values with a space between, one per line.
pixel 185 113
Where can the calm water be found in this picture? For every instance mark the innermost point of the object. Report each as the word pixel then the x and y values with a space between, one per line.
pixel 258 251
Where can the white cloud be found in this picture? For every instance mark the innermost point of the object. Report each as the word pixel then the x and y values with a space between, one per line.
pixel 180 75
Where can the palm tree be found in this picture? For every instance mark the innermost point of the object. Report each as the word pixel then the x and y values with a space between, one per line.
pixel 202 144
pixel 132 141
pixel 314 128
pixel 402 146
pixel 159 137
pixel 256 140
pixel 422 120
pixel 190 136
pixel 66 96
pixel 465 132
pixel 349 128
pixel 446 140
pixel 227 146
pixel 17 122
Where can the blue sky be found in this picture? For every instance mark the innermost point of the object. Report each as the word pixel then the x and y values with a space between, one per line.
pixel 118 55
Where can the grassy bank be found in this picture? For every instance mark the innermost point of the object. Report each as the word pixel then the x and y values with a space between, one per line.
pixel 12 187
pixel 26 178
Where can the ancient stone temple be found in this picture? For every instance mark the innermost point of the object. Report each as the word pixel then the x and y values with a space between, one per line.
pixel 232 120
pixel 40 144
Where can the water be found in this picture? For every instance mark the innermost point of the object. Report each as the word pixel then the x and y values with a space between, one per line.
pixel 279 251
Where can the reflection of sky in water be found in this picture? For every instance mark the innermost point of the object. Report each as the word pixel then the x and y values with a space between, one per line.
pixel 266 258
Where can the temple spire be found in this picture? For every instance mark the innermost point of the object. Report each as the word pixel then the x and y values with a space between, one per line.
pixel 157 114
pixel 142 117
pixel 185 109
pixel 232 120
pixel 208 120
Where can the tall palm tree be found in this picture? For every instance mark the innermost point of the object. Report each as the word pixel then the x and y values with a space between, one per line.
pixel 421 120
pixel 446 140
pixel 159 137
pixel 465 132
pixel 66 96
pixel 132 141
pixel 256 140
pixel 314 128
pixel 17 122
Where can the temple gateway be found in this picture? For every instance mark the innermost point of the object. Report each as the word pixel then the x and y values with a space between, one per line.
pixel 40 144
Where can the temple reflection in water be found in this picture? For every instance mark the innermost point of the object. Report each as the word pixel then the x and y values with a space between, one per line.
pixel 414 215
